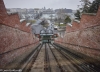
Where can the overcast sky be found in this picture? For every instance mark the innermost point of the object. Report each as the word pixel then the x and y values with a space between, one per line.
pixel 55 4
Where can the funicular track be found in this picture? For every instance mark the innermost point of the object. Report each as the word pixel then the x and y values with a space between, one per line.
pixel 47 67
pixel 27 68
pixel 71 60
pixel 57 61
pixel 54 58
pixel 81 63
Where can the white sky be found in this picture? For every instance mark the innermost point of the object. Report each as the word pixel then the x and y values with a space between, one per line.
pixel 55 4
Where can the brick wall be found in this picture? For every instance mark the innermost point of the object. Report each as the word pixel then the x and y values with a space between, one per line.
pixel 84 37
pixel 16 38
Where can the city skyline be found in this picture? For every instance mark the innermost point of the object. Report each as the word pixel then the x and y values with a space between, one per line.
pixel 55 4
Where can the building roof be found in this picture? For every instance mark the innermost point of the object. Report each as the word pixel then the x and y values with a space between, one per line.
pixel 63 10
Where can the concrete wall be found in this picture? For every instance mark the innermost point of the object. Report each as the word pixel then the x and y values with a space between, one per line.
pixel 84 37
pixel 16 38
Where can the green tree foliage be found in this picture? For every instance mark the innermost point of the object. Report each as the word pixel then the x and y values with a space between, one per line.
pixel 88 7
pixel 32 21
pixel 85 6
pixel 67 20
pixel 94 7
pixel 77 14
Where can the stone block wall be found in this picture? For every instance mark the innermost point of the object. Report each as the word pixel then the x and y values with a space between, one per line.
pixel 16 38
pixel 84 37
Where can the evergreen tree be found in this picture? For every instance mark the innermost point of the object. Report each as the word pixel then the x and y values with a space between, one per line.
pixel 94 7
pixel 77 14
pixel 85 6
pixel 67 20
